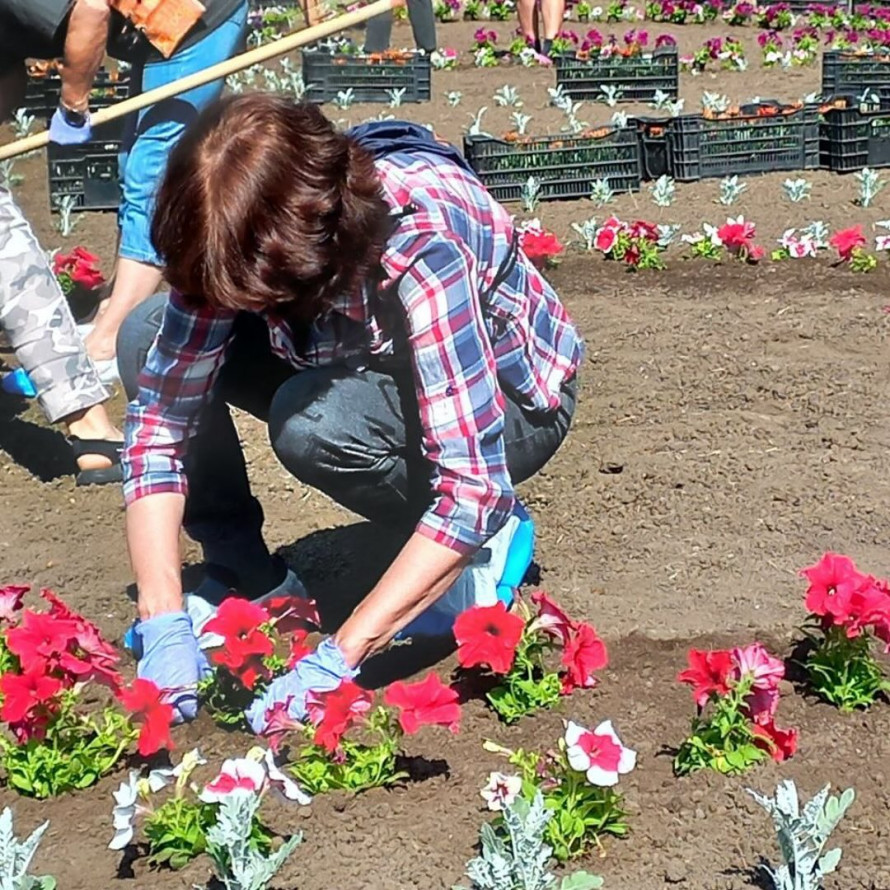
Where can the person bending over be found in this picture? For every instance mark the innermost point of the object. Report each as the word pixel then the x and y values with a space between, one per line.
pixel 365 297
pixel 552 13
pixel 81 32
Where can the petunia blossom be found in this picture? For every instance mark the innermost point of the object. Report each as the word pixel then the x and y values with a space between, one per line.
pixel 708 673
pixel 144 701
pixel 551 618
pixel 11 598
pixel 584 653
pixel 26 694
pixel 833 581
pixel 501 791
pixel 599 753
pixel 334 712
pixel 781 743
pixel 488 635
pixel 846 241
pixel 125 811
pixel 427 702
pixel 236 774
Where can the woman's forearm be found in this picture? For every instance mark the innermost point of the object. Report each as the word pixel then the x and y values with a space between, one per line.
pixel 153 525
pixel 421 573
pixel 84 50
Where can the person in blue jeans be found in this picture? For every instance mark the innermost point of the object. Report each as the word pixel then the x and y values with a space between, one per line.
pixel 81 33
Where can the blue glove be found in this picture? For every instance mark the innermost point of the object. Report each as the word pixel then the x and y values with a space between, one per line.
pixel 62 133
pixel 322 671
pixel 168 654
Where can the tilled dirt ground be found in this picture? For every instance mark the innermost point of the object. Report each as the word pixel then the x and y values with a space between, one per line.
pixel 731 427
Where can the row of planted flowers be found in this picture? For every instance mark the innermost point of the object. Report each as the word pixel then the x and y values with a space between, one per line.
pixel 59 739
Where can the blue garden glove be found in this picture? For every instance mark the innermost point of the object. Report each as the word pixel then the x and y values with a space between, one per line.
pixel 168 655
pixel 62 133
pixel 322 671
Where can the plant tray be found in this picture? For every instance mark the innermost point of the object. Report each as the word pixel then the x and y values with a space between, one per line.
pixel 845 72
pixel 370 77
pixel 638 78
pixel 693 147
pixel 89 172
pixel 857 137
pixel 109 88
pixel 566 166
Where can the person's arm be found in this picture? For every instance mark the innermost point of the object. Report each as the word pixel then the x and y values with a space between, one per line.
pixel 179 373
pixel 462 417
pixel 85 42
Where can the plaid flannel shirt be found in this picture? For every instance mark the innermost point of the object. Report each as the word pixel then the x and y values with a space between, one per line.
pixel 466 346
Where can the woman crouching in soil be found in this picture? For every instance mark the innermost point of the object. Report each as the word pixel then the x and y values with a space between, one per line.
pixel 364 295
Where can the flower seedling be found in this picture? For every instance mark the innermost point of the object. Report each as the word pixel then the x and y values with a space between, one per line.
pixel 587 230
pixel 9 179
pixel 517 856
pixel 559 98
pixel 667 232
pixel 850 246
pixel 49 661
pixel 714 103
pixel 344 98
pixel 797 190
pixel 507 96
pixel 256 644
pixel 737 237
pixel 520 122
pixel 736 693
pixel 802 833
pixel 396 97
pixel 849 616
pixel 475 128
pixel 79 267
pixel 540 246
pixel 611 94
pixel 578 784
pixel 731 190
pixel 870 185
pixel 794 246
pixel 530 194
pixel 16 856
pixel 663 191
pixel 516 647
pixel 65 207
pixel 818 232
pixel 453 97
pixel 636 244
pixel 22 122
pixel 601 192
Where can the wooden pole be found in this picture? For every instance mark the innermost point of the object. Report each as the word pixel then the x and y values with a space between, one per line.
pixel 214 72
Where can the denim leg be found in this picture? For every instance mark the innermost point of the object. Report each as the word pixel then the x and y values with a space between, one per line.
pixel 150 136
pixel 221 513
pixel 355 436
pixel 378 33
pixel 423 26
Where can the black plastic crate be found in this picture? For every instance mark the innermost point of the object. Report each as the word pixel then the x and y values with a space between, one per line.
pixel 88 172
pixel 847 72
pixel 638 78
pixel 370 77
pixel 764 138
pixel 109 88
pixel 857 136
pixel 566 166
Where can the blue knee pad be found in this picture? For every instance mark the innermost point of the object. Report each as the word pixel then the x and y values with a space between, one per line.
pixel 519 557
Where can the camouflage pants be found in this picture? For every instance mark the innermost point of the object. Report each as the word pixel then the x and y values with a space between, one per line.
pixel 36 319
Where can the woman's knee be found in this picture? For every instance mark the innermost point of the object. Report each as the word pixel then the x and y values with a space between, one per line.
pixel 135 338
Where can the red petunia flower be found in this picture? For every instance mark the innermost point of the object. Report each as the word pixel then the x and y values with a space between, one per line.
pixel 488 635
pixel 606 238
pixel 291 613
pixel 278 723
pixel 833 581
pixel 11 601
pixel 245 645
pixel 708 673
pixel 781 743
pixel 551 618
pixel 737 236
pixel 583 654
pixel 41 641
pixel 427 702
pixel 541 247
pixel 845 241
pixel 298 648
pixel 80 266
pixel 144 703
pixel 24 695
pixel 333 713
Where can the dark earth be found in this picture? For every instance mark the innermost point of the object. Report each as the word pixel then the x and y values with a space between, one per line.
pixel 732 426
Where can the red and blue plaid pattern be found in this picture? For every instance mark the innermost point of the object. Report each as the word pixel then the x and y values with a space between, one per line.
pixel 466 346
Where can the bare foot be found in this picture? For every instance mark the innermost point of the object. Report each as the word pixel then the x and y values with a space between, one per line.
pixel 101 347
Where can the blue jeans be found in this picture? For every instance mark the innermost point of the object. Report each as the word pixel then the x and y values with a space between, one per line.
pixel 151 134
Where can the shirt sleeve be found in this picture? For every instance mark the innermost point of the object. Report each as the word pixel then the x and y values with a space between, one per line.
pixel 461 404
pixel 179 373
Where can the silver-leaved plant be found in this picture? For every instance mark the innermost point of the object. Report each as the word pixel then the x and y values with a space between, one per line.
pixel 520 860
pixel 16 856
pixel 587 230
pixel 802 834
pixel 238 865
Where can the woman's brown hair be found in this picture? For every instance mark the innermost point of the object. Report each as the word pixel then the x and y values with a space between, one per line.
pixel 265 205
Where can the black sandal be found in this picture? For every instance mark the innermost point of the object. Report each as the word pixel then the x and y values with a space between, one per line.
pixel 104 448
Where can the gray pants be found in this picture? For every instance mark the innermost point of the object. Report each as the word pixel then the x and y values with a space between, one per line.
pixel 38 323
pixel 423 26
pixel 355 435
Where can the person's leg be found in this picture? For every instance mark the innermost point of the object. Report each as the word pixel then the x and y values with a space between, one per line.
pixel 423 24
pixel 157 129
pixel 356 437
pixel 221 513
pixel 526 11
pixel 40 328
pixel 552 15
pixel 378 33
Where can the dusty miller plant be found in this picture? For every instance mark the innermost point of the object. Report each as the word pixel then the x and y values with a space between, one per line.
pixel 667 233
pixel 870 184
pixel 8 179
pixel 802 835
pixel 16 856
pixel 520 121
pixel 731 190
pixel 519 861
pixel 663 191
pixel 530 194
pixel 22 122
pixel 611 94
pixel 559 98
pixel 453 98
pixel 475 128
pixel 796 190
pixel 601 192
pixel 715 103
pixel 67 220
pixel 619 119
pixel 587 231
pixel 239 865
pixel 507 95
pixel 396 97
pixel 344 98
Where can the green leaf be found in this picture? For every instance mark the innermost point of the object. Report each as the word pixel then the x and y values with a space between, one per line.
pixel 581 880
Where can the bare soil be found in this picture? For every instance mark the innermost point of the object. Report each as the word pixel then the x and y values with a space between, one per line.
pixel 732 426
